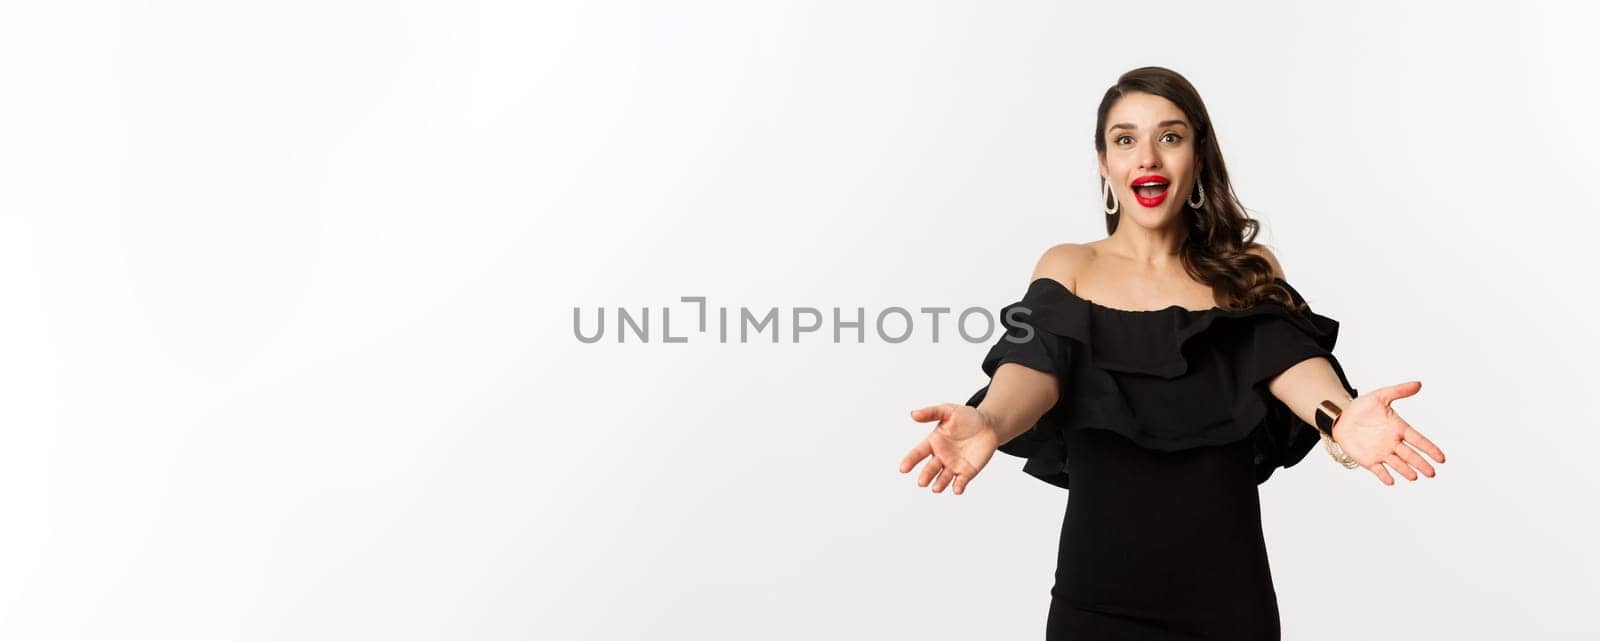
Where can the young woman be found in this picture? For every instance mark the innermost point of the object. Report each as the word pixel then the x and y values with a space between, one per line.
pixel 1165 370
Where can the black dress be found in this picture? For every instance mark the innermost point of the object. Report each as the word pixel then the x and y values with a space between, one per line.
pixel 1170 428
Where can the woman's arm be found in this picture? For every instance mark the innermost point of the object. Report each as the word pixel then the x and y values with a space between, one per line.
pixel 1020 395
pixel 1304 385
pixel 1368 429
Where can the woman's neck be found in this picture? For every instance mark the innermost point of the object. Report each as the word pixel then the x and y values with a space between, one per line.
pixel 1154 248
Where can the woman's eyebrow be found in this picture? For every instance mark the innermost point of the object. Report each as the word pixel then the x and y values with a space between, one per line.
pixel 1164 123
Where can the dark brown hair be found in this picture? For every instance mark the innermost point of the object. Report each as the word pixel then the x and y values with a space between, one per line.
pixel 1220 232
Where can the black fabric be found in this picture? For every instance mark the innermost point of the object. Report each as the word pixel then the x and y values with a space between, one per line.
pixel 1170 428
pixel 1167 379
pixel 1161 545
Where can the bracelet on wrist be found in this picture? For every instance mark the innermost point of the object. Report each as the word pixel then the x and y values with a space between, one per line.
pixel 1327 415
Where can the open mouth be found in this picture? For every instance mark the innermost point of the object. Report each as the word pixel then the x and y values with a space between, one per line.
pixel 1150 191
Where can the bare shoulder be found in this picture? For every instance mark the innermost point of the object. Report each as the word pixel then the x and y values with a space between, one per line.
pixel 1272 259
pixel 1063 263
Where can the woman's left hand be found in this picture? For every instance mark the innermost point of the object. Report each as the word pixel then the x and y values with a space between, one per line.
pixel 1372 433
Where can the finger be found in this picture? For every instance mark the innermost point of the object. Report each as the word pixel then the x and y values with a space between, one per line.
pixel 1383 474
pixel 921 451
pixel 929 471
pixel 961 483
pixel 1397 391
pixel 1400 466
pixel 930 413
pixel 1415 438
pixel 948 480
pixel 1412 458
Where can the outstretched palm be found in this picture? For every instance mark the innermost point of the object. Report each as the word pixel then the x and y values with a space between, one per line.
pixel 960 446
pixel 1374 435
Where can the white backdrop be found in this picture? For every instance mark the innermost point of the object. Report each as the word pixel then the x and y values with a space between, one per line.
pixel 287 349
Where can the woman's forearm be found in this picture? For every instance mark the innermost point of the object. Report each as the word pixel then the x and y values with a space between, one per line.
pixel 1018 397
pixel 1304 386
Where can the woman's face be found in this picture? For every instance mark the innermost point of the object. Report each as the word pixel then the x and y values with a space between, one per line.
pixel 1149 139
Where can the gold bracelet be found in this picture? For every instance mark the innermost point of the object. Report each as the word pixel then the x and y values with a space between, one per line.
pixel 1327 416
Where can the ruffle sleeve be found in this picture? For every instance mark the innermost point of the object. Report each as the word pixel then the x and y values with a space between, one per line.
pixel 1028 345
pixel 1166 379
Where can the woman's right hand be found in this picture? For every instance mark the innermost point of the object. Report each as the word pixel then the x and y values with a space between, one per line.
pixel 959 446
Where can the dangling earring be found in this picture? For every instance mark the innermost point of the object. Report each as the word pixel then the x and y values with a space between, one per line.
pixel 1202 189
pixel 1107 193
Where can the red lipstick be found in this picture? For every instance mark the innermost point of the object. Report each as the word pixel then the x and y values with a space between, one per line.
pixel 1154 181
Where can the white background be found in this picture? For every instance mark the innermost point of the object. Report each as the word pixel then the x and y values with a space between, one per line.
pixel 286 349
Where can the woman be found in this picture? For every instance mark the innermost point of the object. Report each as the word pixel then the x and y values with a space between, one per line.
pixel 1166 371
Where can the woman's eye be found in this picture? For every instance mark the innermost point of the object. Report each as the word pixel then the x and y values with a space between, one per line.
pixel 1174 137
pixel 1120 139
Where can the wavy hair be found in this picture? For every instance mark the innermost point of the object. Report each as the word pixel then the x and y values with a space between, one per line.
pixel 1221 233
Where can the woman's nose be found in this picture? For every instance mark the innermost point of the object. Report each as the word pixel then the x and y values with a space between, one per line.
pixel 1148 159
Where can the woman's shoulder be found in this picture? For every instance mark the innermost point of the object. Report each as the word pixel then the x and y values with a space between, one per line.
pixel 1063 262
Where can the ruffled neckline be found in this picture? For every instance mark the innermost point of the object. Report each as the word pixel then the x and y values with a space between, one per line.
pixel 1151 341
pixel 1166 379
pixel 1051 282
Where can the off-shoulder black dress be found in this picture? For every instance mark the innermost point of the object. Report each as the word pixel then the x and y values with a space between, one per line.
pixel 1165 428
